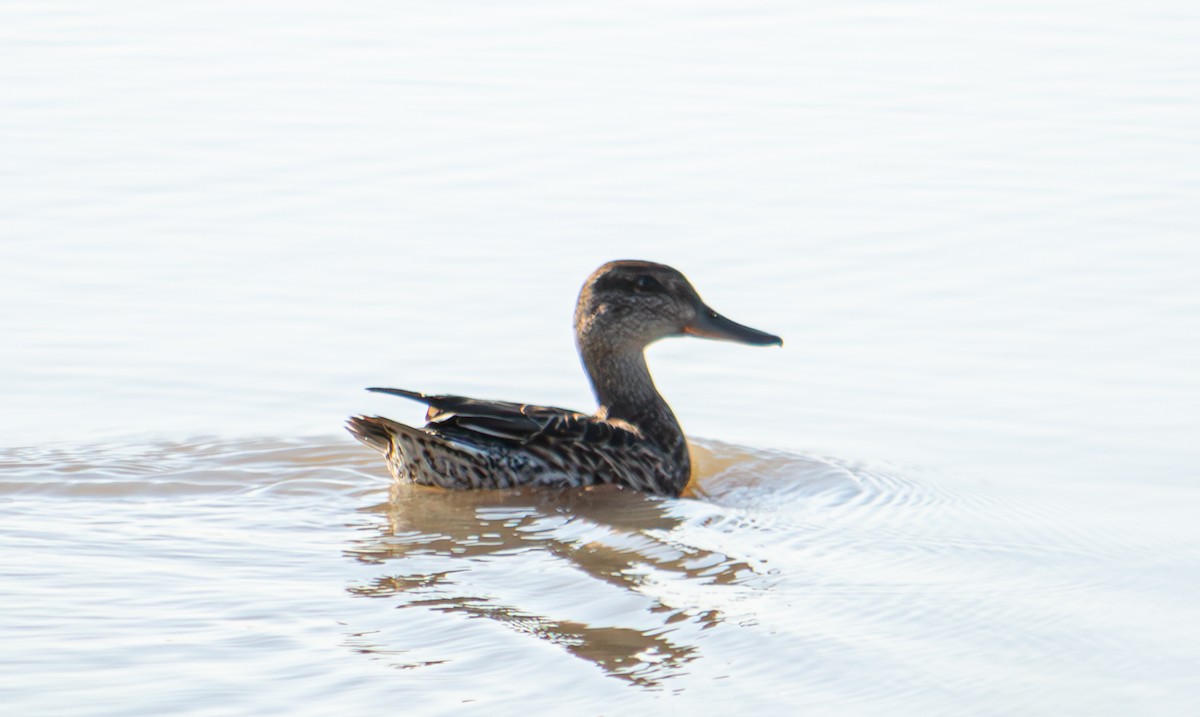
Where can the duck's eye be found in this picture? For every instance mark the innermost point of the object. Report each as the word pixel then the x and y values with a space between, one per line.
pixel 648 283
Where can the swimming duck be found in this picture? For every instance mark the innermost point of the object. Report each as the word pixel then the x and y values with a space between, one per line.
pixel 633 439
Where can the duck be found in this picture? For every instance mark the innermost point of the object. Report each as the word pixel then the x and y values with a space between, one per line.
pixel 632 440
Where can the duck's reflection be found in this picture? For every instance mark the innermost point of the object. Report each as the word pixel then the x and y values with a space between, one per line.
pixel 430 543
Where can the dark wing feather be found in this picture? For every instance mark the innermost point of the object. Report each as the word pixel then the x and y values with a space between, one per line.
pixel 473 418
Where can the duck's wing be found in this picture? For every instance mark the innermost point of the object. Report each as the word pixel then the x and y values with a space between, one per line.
pixel 470 419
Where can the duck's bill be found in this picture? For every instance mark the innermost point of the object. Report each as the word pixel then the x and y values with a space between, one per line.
pixel 711 325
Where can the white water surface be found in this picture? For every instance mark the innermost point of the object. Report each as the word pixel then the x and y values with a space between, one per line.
pixel 966 485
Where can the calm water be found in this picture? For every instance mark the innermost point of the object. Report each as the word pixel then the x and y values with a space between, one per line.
pixel 967 485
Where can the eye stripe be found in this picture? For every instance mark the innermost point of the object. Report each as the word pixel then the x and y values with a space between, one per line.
pixel 648 283
pixel 626 283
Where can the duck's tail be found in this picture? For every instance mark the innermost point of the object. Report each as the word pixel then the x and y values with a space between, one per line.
pixel 374 431
pixel 416 455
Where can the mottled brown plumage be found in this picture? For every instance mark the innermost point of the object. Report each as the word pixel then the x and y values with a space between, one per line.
pixel 633 439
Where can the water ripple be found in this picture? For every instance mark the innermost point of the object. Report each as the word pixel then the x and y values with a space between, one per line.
pixel 187 468
pixel 835 566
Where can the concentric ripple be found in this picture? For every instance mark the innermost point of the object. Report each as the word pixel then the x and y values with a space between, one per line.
pixel 804 578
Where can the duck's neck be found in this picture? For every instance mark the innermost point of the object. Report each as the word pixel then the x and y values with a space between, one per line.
pixel 625 391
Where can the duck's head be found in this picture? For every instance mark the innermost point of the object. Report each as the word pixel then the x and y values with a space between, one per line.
pixel 625 305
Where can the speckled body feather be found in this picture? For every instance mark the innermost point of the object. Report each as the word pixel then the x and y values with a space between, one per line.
pixel 470 443
pixel 633 439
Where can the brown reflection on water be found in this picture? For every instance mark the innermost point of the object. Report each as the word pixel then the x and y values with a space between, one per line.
pixel 619 537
